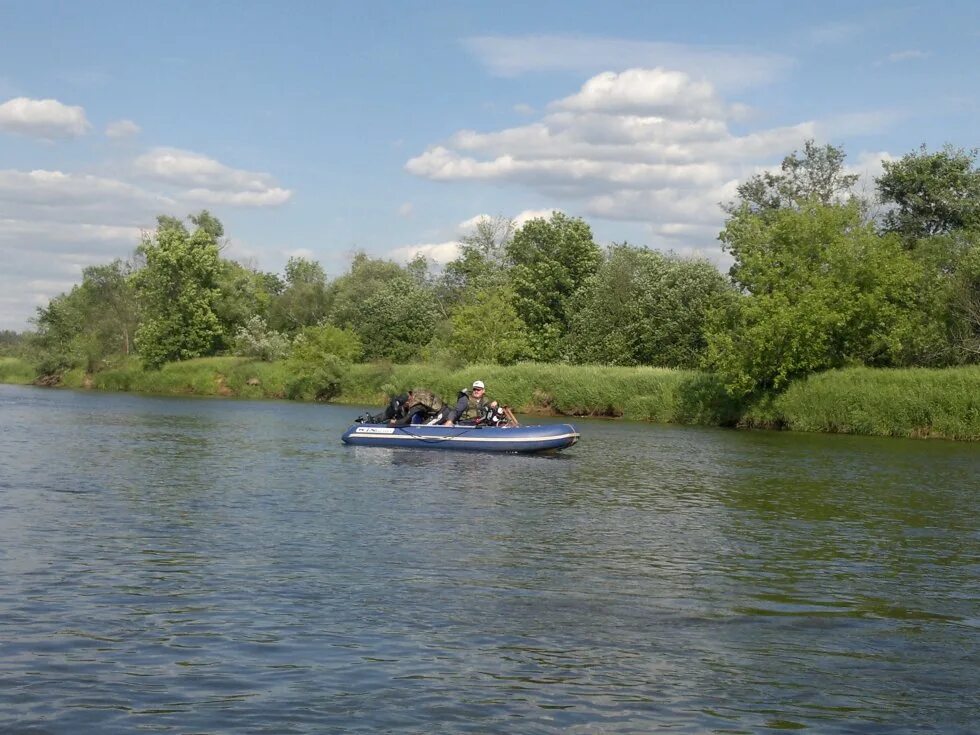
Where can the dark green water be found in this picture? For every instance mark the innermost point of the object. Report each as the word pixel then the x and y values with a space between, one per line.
pixel 203 566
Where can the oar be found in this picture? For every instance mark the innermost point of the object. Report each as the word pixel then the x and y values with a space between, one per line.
pixel 510 416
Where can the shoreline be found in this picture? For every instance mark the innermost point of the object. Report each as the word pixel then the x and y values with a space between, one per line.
pixel 912 403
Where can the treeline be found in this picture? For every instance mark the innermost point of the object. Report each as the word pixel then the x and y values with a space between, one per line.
pixel 822 278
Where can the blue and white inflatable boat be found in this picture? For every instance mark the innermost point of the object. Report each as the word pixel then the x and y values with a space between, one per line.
pixel 524 439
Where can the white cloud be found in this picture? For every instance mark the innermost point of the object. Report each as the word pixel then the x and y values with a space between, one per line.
pixel 528 214
pixel 726 67
pixel 440 252
pixel 44 234
pixel 273 197
pixel 46 119
pixel 646 92
pixel 468 227
pixel 122 129
pixel 406 210
pixel 644 145
pixel 59 196
pixel 54 223
pixel 209 181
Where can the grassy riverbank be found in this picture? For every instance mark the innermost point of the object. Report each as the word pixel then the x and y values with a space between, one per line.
pixel 14 370
pixel 898 402
pixel 643 394
pixel 910 403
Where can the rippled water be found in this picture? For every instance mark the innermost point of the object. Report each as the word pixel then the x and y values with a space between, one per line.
pixel 197 566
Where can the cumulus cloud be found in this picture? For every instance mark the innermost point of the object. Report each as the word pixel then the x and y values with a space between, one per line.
pixel 54 223
pixel 439 252
pixel 45 119
pixel 644 145
pixel 646 91
pixel 527 215
pixel 47 197
pixel 122 129
pixel 209 181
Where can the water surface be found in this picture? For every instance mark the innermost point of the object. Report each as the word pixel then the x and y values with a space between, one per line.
pixel 216 566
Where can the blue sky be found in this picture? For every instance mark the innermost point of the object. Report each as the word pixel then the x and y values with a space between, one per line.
pixel 318 129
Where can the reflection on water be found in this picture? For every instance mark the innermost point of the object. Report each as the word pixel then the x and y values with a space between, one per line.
pixel 219 566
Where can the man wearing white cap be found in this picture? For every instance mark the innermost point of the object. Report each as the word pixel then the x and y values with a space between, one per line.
pixel 471 406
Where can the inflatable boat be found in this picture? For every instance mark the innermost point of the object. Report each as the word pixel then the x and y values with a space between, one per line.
pixel 524 439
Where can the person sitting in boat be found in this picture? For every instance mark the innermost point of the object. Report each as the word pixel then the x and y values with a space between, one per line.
pixel 396 408
pixel 472 407
pixel 421 406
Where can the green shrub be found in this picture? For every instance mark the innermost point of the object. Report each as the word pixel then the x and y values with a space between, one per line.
pixel 15 370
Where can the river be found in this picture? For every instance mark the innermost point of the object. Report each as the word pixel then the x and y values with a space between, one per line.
pixel 218 566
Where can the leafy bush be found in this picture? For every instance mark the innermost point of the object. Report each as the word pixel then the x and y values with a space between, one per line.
pixel 257 341
pixel 320 357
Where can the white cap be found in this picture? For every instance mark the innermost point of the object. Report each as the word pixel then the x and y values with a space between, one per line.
pixel 478 384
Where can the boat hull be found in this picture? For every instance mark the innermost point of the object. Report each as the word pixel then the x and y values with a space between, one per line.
pixel 522 439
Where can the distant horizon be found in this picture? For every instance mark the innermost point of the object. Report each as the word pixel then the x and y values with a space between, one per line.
pixel 319 130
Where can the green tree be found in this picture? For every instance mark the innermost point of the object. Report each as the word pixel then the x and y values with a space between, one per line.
pixel 93 321
pixel 932 193
pixel 243 293
pixel 110 307
pixel 11 342
pixel 206 221
pixel 482 261
pixel 644 308
pixel 304 299
pixel 953 264
pixel 823 291
pixel 818 175
pixel 551 260
pixel 319 360
pixel 57 326
pixel 392 312
pixel 487 329
pixel 177 292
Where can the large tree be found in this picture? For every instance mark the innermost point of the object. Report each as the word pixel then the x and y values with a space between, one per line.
pixel 93 321
pixel 551 260
pixel 177 292
pixel 303 301
pixel 823 290
pixel 243 294
pixel 482 261
pixel 816 175
pixel 931 193
pixel 643 307
pixel 389 307
pixel 487 329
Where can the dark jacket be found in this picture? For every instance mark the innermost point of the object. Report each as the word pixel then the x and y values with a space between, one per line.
pixel 468 408
pixel 397 407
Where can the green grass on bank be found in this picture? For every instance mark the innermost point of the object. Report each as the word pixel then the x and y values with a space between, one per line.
pixel 206 376
pixel 639 393
pixel 910 403
pixel 915 402
pixel 643 394
pixel 15 370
